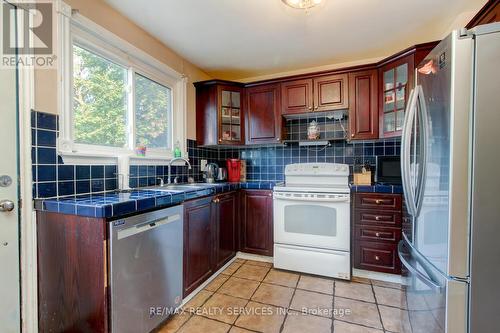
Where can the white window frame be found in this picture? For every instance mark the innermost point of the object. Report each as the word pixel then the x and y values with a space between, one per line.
pixel 75 28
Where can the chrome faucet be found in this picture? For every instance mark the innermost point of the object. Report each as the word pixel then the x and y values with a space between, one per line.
pixel 170 166
pixel 162 183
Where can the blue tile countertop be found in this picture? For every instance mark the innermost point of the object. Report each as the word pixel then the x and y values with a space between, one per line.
pixel 395 189
pixel 115 204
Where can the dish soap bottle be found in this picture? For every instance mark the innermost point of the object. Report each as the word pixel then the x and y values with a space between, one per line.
pixel 177 150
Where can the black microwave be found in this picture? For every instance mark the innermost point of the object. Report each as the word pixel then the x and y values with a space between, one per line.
pixel 388 170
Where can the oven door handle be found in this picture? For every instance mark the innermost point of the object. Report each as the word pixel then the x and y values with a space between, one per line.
pixel 308 198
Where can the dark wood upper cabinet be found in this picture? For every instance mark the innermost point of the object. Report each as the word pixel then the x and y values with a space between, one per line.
pixel 375 94
pixel 322 93
pixel 257 222
pixel 263 114
pixel 396 82
pixel 297 97
pixel 226 226
pixel 363 107
pixel 198 243
pixel 219 113
pixel 331 92
pixel 488 14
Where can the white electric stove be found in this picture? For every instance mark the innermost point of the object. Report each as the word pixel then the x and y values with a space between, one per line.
pixel 312 220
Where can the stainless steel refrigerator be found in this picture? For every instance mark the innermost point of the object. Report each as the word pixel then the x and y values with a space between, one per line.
pixel 450 160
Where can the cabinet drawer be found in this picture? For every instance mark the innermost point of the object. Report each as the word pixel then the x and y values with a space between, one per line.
pixel 379 257
pixel 378 234
pixel 381 217
pixel 378 201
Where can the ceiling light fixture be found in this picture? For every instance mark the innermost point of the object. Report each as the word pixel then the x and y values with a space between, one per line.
pixel 302 4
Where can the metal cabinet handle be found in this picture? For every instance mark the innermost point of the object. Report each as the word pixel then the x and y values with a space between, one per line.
pixel 377 234
pixel 6 206
pixel 377 218
pixel 352 135
pixel 377 258
pixel 378 201
pixel 310 108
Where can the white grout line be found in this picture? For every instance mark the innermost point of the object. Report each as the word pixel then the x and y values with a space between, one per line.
pixel 256 257
pixel 204 284
pixel 377 276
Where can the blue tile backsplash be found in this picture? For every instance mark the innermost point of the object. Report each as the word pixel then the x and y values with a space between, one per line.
pixel 268 163
pixel 53 178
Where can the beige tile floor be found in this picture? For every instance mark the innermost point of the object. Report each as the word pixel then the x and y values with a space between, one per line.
pixel 252 296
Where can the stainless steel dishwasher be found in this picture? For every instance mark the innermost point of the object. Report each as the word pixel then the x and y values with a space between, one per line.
pixel 145 253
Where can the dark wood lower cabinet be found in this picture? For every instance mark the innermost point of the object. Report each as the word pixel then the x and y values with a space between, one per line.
pixel 73 265
pixel 226 221
pixel 210 239
pixel 257 222
pixel 376 232
pixel 72 273
pixel 198 243
pixel 377 256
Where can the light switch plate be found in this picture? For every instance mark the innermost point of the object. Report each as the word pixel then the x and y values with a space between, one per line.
pixel 203 164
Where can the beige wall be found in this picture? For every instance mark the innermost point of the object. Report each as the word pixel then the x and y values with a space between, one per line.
pixel 104 15
pixel 459 22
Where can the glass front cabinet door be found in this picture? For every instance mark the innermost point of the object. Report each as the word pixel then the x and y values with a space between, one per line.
pixel 396 81
pixel 230 117
pixel 219 113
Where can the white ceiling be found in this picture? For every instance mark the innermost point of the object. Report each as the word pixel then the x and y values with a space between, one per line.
pixel 237 39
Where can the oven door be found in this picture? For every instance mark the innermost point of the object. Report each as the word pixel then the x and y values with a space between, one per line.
pixel 319 220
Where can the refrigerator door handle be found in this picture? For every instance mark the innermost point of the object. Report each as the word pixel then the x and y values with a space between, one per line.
pixel 423 160
pixel 405 152
pixel 405 260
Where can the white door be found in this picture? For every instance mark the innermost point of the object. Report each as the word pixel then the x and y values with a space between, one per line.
pixel 9 198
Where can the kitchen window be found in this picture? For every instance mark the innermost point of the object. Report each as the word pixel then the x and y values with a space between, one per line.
pixel 152 113
pixel 99 100
pixel 114 98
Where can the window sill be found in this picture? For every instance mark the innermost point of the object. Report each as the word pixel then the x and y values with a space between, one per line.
pixel 81 158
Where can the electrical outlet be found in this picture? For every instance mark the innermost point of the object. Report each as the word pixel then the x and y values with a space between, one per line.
pixel 203 164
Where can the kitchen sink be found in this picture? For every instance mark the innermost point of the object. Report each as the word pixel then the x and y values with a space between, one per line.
pixel 182 187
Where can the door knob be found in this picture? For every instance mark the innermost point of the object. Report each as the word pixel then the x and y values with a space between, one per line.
pixel 6 206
